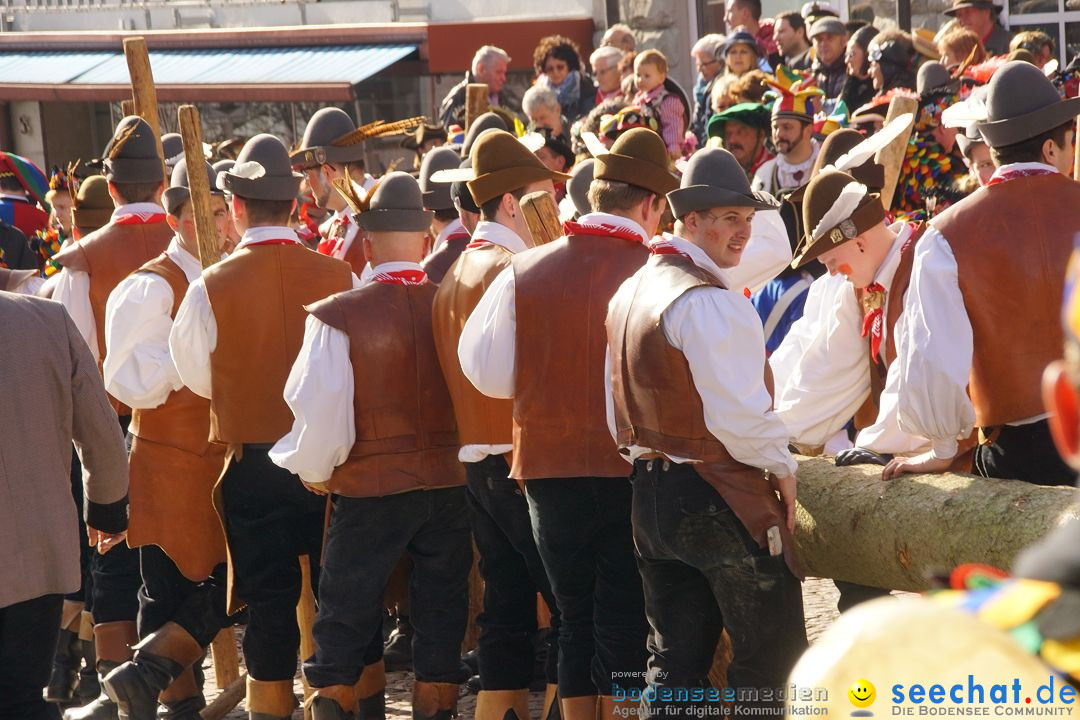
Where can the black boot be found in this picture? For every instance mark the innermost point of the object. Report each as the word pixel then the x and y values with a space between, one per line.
pixel 89 686
pixel 159 659
pixel 324 708
pixel 186 709
pixel 102 708
pixel 398 650
pixel 65 669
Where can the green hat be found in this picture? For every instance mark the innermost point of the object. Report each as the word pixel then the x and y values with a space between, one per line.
pixel 755 115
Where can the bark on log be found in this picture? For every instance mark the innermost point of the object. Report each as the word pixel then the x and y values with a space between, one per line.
pixel 476 102
pixel 853 526
pixel 542 216
pixel 143 90
pixel 198 185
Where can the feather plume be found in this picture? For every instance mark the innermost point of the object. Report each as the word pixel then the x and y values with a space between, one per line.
pixel 121 139
pixel 348 191
pixel 865 150
pixel 846 204
pixel 378 128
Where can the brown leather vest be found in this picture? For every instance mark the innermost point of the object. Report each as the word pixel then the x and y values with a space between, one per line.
pixel 481 420
pixel 657 405
pixel 258 296
pixel 405 433
pixel 1012 243
pixel 560 421
pixel 108 256
pixel 183 420
pixel 355 254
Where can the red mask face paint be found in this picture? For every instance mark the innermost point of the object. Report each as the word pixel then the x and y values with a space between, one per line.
pixel 844 269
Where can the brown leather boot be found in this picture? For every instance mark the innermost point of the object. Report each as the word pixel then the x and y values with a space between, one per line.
pixel 182 699
pixel 502 705
pixel 270 699
pixel 114 642
pixel 371 692
pixel 159 659
pixel 334 702
pixel 578 708
pixel 551 703
pixel 434 701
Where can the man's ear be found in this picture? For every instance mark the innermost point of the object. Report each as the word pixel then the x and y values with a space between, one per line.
pixel 1061 399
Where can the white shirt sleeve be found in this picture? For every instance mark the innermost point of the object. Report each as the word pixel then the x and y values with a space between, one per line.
pixel 885 435
pixel 721 337
pixel 765 256
pixel 138 369
pixel 488 345
pixel 822 368
pixel 319 391
pixel 936 345
pixel 73 292
pixel 193 338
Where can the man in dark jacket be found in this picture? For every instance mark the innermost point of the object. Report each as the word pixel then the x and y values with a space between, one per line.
pixel 488 66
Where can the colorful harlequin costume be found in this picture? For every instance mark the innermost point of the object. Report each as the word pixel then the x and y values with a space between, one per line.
pixel 23 211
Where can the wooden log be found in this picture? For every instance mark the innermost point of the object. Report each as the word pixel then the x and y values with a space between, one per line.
pixel 305 618
pixel 892 156
pixel 143 90
pixel 198 186
pixel 226 662
pixel 851 525
pixel 476 102
pixel 127 107
pixel 542 215
pixel 229 698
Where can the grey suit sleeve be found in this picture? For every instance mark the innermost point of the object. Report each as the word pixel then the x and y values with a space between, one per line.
pixel 98 439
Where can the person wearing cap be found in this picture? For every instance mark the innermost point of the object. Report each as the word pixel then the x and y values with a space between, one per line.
pixel 545 308
pixel 450 236
pixel 792 136
pixel 976 154
pixel 689 406
pixel 232 237
pixel 173 469
pixel 741 54
pixel 426 138
pixel 92 268
pixel 326 155
pixel 743 130
pixel 172 146
pixel 233 340
pixel 746 14
pixel 576 202
pixel 968 363
pixel 504 171
pixel 981 17
pixel 374 427
pixel 829 36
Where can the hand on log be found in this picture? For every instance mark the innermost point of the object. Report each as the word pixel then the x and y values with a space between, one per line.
pixel 918 465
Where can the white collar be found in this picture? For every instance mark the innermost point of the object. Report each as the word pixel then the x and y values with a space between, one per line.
pixel 1022 166
pixel 186 261
pixel 699 256
pixel 815 148
pixel 499 235
pixel 394 266
pixel 623 223
pixel 143 208
pixel 454 226
pixel 887 271
pixel 267 232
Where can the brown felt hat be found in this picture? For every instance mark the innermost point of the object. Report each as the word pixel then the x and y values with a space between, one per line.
pixel 132 155
pixel 833 147
pixel 836 208
pixel 326 127
pixel 93 206
pixel 1021 102
pixel 396 205
pixel 262 171
pixel 638 157
pixel 502 164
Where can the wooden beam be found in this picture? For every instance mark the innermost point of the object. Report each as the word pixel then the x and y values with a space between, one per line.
pixel 198 185
pixel 143 91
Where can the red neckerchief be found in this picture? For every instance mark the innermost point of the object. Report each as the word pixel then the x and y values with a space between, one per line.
pixel 873 303
pixel 139 218
pixel 598 229
pixel 401 277
pixel 478 244
pixel 1014 174
pixel 457 236
pixel 662 246
pixel 335 235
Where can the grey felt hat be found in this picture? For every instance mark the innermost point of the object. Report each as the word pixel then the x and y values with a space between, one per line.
pixel 1021 103
pixel 960 4
pixel 262 171
pixel 577 187
pixel 932 76
pixel 829 25
pixel 223 166
pixel 177 193
pixel 325 128
pixel 132 155
pixel 714 178
pixel 396 205
pixel 172 145
pixel 437 195
pixel 487 121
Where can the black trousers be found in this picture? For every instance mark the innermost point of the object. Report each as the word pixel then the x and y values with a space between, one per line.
pixel 114 592
pixel 86 553
pixel 367 536
pixel 513 574
pixel 582 529
pixel 28 633
pixel 270 520
pixel 704 573
pixel 198 607
pixel 1024 452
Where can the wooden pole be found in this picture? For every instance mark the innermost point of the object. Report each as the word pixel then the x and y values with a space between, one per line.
pixel 143 90
pixel 127 107
pixel 198 185
pixel 891 157
pixel 305 618
pixel 226 662
pixel 229 698
pixel 542 215
pixel 476 102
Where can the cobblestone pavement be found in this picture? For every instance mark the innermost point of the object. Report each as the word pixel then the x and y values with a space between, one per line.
pixel 819 604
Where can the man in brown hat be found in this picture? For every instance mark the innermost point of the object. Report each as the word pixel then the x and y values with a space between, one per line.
pixel 426 138
pixel 977 332
pixel 449 236
pixel 326 155
pixel 981 17
pixel 510 563
pixel 691 409
pixel 233 341
pixel 375 428
pixel 540 312
pixel 135 233
pixel 173 470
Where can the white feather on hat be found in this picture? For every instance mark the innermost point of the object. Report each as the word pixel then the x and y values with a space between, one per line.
pixel 845 206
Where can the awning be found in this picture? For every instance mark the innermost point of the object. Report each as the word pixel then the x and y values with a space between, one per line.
pixel 325 72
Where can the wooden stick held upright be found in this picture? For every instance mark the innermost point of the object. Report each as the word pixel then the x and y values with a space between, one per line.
pixel 892 156
pixel 143 90
pixel 542 215
pixel 476 102
pixel 198 186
